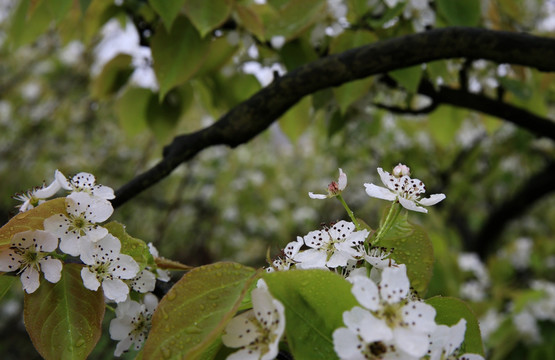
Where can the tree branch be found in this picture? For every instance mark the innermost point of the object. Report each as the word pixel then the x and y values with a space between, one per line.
pixel 539 186
pixel 538 125
pixel 256 114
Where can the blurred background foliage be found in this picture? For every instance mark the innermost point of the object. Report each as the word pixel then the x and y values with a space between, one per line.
pixel 102 86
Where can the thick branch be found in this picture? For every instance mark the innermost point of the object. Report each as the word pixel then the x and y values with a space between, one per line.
pixel 256 114
pixel 538 187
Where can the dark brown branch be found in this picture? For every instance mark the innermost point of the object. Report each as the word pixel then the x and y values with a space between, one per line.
pixel 538 187
pixel 538 125
pixel 256 114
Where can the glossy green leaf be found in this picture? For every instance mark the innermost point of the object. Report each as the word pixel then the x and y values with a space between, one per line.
pixel 30 220
pixel 297 119
pixel 413 248
pixel 113 76
pixel 409 77
pixel 221 53
pixel 460 12
pixel 190 318
pixel 449 311
pixel 167 9
pixel 6 283
pixel 208 15
pixel 64 319
pixel 178 54
pixel 444 123
pixel 131 108
pixel 314 303
pixel 131 246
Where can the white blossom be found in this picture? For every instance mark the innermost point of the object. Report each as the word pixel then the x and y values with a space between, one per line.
pixel 107 267
pixel 289 252
pixel 404 189
pixel 85 182
pixel 36 196
pixel 161 274
pixel 445 340
pixel 28 254
pixel 257 331
pixel 132 323
pixel 144 282
pixel 387 321
pixel 331 247
pixel 84 212
pixel 334 188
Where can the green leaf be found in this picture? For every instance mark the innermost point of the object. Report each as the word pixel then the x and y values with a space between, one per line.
pixel 6 283
pixel 162 118
pixel 64 319
pixel 220 53
pixel 131 108
pixel 409 77
pixel 114 75
pixel 251 20
pixel 519 88
pixel 449 311
pixel 297 119
pixel 413 248
pixel 131 246
pixel 177 55
pixel 190 318
pixel 314 303
pixel 460 12
pixel 208 15
pixel 31 220
pixel 296 53
pixel 167 9
pixel 444 123
pixel 293 18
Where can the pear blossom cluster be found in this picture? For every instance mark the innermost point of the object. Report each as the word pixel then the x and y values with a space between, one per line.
pixel 392 323
pixel 79 233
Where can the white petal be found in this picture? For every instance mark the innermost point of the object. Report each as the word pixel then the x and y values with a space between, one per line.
pixel 30 280
pixel 394 284
pixel 120 328
pixel 151 302
pixel 245 354
pixel 52 269
pixel 122 346
pixel 115 289
pixel 369 327
pixel 342 181
pixel 96 233
pixel 9 260
pixel 316 239
pixel 380 192
pixel 366 292
pixel 432 200
pixel 412 342
pixel 346 343
pixel 49 191
pixel 292 248
pixel 471 357
pixel 103 192
pixel 56 224
pixel 144 282
pixel 89 279
pixel 420 316
pixel 385 177
pixel 43 240
pixel 100 210
pixel 62 180
pixel 268 311
pixel 338 258
pixel 445 339
pixel 341 230
pixel 317 196
pixel 241 330
pixel 411 205
pixel 310 259
pixel 124 267
pixel 70 245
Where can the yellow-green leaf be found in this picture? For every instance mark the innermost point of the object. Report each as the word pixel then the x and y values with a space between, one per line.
pixel 167 9
pixel 208 15
pixel 131 108
pixel 460 12
pixel 297 119
pixel 131 246
pixel 64 320
pixel 112 77
pixel 190 318
pixel 409 77
pixel 6 283
pixel 251 21
pixel 293 18
pixel 30 220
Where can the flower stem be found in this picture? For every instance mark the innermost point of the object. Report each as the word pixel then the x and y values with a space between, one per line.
pixel 351 215
pixel 394 211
